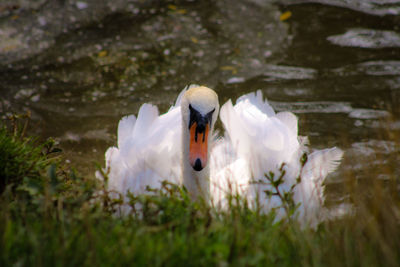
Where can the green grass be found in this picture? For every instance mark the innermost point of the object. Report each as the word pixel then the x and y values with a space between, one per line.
pixel 51 216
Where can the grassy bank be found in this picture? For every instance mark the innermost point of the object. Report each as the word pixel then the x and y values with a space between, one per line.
pixel 50 216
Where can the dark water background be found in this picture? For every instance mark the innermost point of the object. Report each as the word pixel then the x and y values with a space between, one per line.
pixel 79 66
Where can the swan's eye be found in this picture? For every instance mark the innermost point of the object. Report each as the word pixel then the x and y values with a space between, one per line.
pixel 201 120
pixel 193 115
pixel 209 116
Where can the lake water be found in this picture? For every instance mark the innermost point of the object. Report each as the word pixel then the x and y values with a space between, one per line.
pixel 335 64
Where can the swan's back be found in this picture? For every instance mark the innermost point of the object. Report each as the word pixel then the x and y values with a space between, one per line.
pixel 261 136
pixel 269 143
pixel 148 152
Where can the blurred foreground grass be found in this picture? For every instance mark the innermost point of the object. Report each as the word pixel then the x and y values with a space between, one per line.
pixel 50 216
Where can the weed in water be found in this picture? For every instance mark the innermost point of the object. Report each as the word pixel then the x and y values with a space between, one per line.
pixel 50 215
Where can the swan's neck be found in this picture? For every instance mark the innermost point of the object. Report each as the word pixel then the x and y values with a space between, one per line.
pixel 196 182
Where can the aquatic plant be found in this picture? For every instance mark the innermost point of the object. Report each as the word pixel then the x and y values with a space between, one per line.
pixel 50 215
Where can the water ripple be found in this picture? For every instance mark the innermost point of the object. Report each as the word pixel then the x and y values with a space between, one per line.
pixel 314 107
pixel 366 38
pixel 332 107
pixel 288 72
pixel 373 68
pixel 373 7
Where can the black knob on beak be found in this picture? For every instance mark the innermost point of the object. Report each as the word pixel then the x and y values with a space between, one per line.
pixel 197 165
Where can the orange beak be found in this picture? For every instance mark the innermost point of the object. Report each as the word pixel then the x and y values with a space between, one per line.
pixel 198 147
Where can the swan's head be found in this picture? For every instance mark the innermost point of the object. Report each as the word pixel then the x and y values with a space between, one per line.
pixel 200 109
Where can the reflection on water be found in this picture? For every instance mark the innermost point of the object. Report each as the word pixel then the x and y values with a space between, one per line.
pixel 336 68
pixel 372 68
pixel 374 7
pixel 367 38
pixel 276 72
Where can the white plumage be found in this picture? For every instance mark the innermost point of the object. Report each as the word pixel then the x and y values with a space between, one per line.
pixel 257 141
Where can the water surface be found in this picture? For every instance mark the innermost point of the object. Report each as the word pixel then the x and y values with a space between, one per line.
pixel 335 64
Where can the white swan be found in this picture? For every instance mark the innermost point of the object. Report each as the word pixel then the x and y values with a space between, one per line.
pixel 180 146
